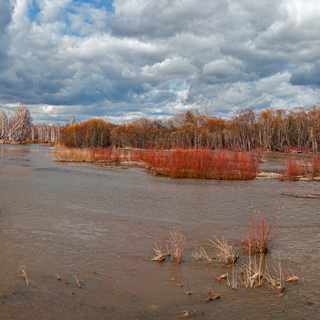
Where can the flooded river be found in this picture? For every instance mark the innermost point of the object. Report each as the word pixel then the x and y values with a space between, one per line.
pixel 98 224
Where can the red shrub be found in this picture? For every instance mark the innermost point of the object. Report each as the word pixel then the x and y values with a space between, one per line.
pixel 203 164
pixel 259 237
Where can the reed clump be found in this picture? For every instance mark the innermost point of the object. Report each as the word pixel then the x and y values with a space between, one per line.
pixel 62 154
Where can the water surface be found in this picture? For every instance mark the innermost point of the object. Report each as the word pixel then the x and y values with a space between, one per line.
pixel 98 224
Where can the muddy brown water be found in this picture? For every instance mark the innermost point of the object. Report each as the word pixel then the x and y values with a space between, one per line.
pixel 99 224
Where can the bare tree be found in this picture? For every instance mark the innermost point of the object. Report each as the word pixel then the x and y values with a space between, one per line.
pixel 3 124
pixel 71 121
pixel 19 126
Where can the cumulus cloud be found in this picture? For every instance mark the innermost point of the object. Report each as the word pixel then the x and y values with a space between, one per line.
pixel 124 59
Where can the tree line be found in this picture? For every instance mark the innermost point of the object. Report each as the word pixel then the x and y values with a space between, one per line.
pixel 270 129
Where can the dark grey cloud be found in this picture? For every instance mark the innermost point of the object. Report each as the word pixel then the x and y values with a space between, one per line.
pixel 5 16
pixel 157 58
pixel 307 75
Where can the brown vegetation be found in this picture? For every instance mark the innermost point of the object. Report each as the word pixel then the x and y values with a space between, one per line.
pixel 259 237
pixel 224 250
pixel 301 169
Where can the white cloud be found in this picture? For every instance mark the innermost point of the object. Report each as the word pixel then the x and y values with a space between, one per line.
pixel 81 59
pixel 170 68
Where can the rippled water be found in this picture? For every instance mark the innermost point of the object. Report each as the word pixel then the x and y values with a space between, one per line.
pixel 99 224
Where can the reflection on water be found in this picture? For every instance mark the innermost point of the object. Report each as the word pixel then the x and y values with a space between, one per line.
pixel 99 224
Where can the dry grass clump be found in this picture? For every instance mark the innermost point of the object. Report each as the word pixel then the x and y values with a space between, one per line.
pixel 252 272
pixel 258 272
pixel 274 275
pixel 224 250
pixel 107 155
pixel 174 246
pixel 201 255
pixel 100 155
pixel 72 155
pixel 260 236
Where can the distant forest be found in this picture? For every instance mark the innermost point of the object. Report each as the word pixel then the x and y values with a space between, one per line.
pixel 270 129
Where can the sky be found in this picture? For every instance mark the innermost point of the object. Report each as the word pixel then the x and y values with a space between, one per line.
pixel 121 60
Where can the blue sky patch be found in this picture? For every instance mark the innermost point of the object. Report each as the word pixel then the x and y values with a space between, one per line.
pixel 33 11
pixel 107 4
pixel 178 85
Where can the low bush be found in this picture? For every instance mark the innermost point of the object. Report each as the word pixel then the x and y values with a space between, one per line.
pixel 260 236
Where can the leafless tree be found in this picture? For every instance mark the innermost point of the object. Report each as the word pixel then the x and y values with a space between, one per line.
pixel 19 126
pixel 3 124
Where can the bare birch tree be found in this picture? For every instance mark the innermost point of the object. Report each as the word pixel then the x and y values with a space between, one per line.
pixel 3 124
pixel 19 126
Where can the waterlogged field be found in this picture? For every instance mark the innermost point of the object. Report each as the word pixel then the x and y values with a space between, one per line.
pixel 65 225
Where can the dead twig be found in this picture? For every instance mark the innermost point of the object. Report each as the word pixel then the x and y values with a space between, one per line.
pixel 292 277
pixel 186 314
pixel 78 282
pixel 233 284
pixel 159 254
pixel 24 275
pixel 223 276
pixel 215 295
